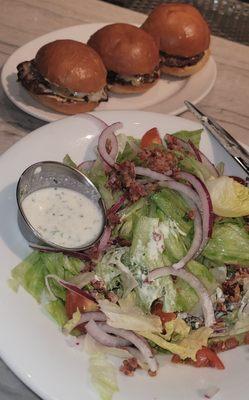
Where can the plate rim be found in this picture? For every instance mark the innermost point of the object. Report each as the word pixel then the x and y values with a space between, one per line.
pixel 23 107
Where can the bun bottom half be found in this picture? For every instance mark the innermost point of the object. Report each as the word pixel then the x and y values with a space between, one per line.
pixel 67 108
pixel 129 89
pixel 188 70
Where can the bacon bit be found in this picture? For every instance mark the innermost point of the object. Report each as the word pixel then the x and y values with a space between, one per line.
pixel 112 297
pixel 191 214
pixel 113 219
pixel 205 357
pixel 152 373
pixel 122 242
pixel 231 343
pixel 129 366
pixel 89 266
pixel 232 291
pixel 159 160
pixel 98 284
pixel 246 338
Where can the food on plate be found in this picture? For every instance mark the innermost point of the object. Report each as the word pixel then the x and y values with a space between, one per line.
pixel 167 276
pixel 65 75
pixel 130 55
pixel 183 37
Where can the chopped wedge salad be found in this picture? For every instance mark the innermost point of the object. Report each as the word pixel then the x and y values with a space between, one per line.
pixel 170 273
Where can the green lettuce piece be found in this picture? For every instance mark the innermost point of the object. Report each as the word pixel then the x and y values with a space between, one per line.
pixel 127 315
pixel 195 167
pixel 229 244
pixel 176 330
pixel 162 288
pixel 57 311
pixel 67 160
pixel 194 136
pixel 99 178
pixel 174 207
pixel 185 348
pixel 203 274
pixel 103 376
pixel 174 240
pixel 146 248
pixel 187 297
pixel 31 272
pixel 128 149
pixel 70 324
pixel 109 273
pixel 129 217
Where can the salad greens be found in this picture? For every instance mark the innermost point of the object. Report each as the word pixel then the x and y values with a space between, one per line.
pixel 154 228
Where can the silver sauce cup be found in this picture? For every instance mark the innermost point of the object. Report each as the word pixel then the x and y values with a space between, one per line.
pixel 47 174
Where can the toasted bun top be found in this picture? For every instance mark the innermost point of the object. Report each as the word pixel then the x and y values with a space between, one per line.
pixel 178 29
pixel 125 49
pixel 72 65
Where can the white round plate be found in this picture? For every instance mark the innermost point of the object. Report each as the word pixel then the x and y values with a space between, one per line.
pixel 166 96
pixel 30 342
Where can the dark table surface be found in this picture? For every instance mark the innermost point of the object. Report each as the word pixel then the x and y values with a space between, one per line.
pixel 227 18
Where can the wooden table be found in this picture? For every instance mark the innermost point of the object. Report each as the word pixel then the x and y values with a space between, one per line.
pixel 24 20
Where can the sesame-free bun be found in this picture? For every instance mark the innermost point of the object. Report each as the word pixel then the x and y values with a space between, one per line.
pixel 70 108
pixel 178 29
pixel 182 72
pixel 72 65
pixel 130 89
pixel 125 49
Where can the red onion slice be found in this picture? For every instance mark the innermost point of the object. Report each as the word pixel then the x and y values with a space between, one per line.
pixel 151 174
pixel 98 120
pixel 196 243
pixel 104 338
pixel 69 286
pixel 204 160
pixel 117 205
pixel 85 166
pixel 103 243
pixel 108 134
pixel 206 205
pixel 138 341
pixel 98 316
pixel 195 151
pixel 206 303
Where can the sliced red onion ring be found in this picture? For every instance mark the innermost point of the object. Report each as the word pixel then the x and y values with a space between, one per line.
pixel 117 205
pixel 206 303
pixel 196 243
pixel 108 134
pixel 85 165
pixel 204 160
pixel 206 205
pixel 104 338
pixel 138 341
pixel 152 174
pixel 67 285
pixel 183 189
pixel 103 243
pixel 195 151
pixel 98 120
pixel 46 249
pixel 86 317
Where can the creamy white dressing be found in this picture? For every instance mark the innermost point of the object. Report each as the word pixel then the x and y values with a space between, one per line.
pixel 63 216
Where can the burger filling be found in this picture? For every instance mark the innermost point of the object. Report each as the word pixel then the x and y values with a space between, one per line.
pixel 133 80
pixel 179 61
pixel 34 82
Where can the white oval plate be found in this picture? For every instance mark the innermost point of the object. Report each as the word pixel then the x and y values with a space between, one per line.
pixel 166 96
pixel 30 342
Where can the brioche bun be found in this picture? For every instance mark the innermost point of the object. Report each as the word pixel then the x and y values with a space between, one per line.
pixel 182 72
pixel 72 65
pixel 125 49
pixel 68 108
pixel 178 29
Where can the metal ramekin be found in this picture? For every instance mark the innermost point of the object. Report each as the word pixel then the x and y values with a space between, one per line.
pixel 54 174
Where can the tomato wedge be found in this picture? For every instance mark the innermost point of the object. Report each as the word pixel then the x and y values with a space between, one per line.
pixel 75 300
pixel 205 357
pixel 149 138
pixel 157 309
